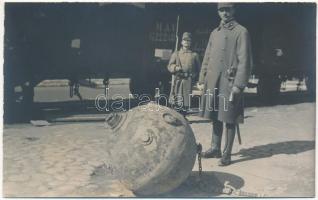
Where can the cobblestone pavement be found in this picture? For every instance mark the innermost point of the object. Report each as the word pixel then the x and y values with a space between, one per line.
pixel 57 160
pixel 276 158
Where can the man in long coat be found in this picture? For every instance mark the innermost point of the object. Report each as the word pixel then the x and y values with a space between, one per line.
pixel 184 66
pixel 224 75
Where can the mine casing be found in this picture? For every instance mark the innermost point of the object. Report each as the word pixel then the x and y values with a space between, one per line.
pixel 153 150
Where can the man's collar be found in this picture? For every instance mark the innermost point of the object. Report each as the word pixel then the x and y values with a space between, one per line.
pixel 228 25
pixel 185 50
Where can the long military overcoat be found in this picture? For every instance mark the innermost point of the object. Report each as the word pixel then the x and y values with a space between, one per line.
pixel 182 87
pixel 227 62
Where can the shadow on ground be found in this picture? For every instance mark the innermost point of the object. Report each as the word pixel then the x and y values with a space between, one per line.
pixel 199 121
pixel 54 111
pixel 268 150
pixel 210 184
pixel 284 98
pixel 40 110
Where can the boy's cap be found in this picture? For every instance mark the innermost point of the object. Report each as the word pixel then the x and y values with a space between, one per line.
pixel 186 36
pixel 225 5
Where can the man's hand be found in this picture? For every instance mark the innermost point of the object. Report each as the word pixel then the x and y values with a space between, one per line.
pixel 200 86
pixel 236 90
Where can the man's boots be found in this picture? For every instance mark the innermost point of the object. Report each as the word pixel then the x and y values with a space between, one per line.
pixel 215 150
pixel 230 135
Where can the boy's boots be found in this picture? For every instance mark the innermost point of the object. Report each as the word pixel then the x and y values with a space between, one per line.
pixel 229 139
pixel 215 150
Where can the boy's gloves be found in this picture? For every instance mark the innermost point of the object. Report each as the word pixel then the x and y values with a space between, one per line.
pixel 200 86
pixel 177 68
